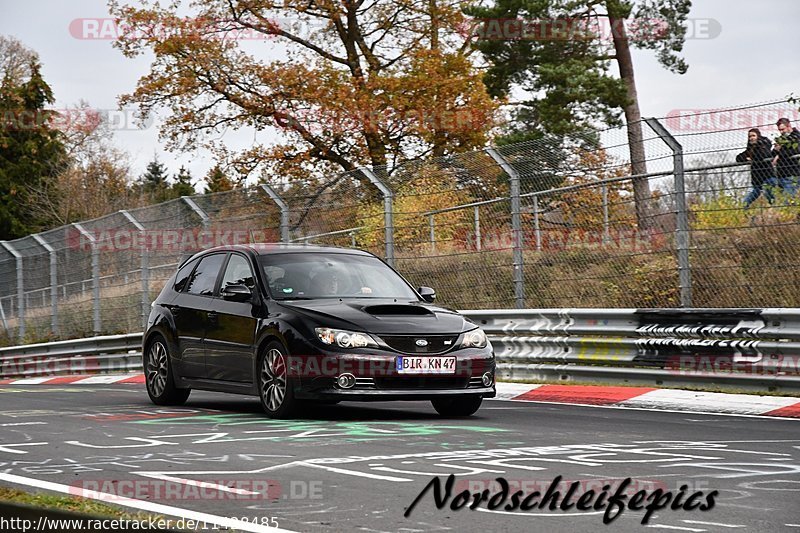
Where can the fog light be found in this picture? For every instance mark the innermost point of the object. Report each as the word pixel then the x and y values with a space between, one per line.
pixel 487 379
pixel 346 381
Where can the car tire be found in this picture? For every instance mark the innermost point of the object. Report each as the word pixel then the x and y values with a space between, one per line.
pixel 158 376
pixel 275 388
pixel 457 405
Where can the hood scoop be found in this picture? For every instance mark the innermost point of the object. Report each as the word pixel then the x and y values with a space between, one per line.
pixel 397 310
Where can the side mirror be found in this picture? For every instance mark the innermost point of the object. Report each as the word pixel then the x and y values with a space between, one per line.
pixel 428 294
pixel 237 293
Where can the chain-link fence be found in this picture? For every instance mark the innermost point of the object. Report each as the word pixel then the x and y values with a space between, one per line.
pixel 549 223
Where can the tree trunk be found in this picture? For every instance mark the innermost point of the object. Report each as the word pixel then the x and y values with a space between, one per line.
pixel 633 118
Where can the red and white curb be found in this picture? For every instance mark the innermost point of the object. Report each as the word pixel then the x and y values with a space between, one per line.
pixel 628 397
pixel 98 379
pixel 654 399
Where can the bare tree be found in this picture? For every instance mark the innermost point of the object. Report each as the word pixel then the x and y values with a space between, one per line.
pixel 15 59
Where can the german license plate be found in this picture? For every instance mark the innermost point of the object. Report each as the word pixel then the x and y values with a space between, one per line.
pixel 409 364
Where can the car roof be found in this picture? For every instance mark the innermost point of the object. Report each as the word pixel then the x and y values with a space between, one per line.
pixel 270 248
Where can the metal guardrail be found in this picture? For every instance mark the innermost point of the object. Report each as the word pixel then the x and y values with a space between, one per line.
pixel 102 355
pixel 751 349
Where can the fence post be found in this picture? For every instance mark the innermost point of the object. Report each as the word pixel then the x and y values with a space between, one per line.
pixel 145 277
pixel 516 227
pixel 477 219
pixel 388 208
pixel 606 230
pixel 53 281
pixel 197 209
pixel 3 317
pixel 283 206
pixel 682 213
pixel 536 229
pixel 95 277
pixel 433 233
pixel 20 288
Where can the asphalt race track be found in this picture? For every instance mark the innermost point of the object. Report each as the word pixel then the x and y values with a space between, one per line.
pixel 359 466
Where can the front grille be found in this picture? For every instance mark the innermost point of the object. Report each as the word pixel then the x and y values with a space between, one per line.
pixel 364 383
pixel 408 343
pixel 421 382
pixel 476 382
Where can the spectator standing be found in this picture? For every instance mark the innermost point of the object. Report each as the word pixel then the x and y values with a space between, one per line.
pixel 785 152
pixel 762 176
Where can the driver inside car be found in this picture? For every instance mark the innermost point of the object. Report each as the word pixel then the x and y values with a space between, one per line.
pixel 327 283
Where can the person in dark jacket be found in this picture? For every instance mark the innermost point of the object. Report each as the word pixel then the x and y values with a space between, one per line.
pixel 762 177
pixel 787 156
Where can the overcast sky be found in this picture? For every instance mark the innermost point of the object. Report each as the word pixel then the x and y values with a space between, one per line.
pixel 755 58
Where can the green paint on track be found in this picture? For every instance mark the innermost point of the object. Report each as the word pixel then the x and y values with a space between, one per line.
pixel 305 429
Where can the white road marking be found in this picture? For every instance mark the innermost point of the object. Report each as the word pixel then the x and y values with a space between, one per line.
pixel 679 528
pixel 104 380
pixel 699 523
pixel 22 424
pixel 717 401
pixel 32 381
pixel 739 506
pixel 202 484
pixel 352 472
pixel 507 391
pixel 144 505
pixel 9 449
pixel 651 409
pixel 525 513
pixel 471 471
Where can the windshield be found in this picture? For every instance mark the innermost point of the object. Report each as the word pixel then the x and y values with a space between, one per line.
pixel 293 276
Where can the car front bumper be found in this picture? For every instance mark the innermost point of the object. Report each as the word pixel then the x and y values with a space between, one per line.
pixel 377 379
pixel 383 395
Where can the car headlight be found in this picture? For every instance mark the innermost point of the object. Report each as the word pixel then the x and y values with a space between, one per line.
pixel 345 339
pixel 474 339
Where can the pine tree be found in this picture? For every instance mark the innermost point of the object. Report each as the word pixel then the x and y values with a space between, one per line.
pixel 32 152
pixel 182 185
pixel 568 77
pixel 217 181
pixel 154 181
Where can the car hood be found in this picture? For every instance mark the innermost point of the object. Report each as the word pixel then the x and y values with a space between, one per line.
pixel 381 316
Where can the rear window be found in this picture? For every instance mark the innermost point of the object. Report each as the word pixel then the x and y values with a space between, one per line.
pixel 182 277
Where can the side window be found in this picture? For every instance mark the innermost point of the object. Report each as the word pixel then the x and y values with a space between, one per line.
pixel 182 277
pixel 205 275
pixel 238 273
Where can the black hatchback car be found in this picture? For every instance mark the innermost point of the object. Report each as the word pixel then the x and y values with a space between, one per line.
pixel 295 323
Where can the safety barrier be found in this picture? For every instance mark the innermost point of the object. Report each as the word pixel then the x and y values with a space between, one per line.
pixel 752 349
pixel 106 354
